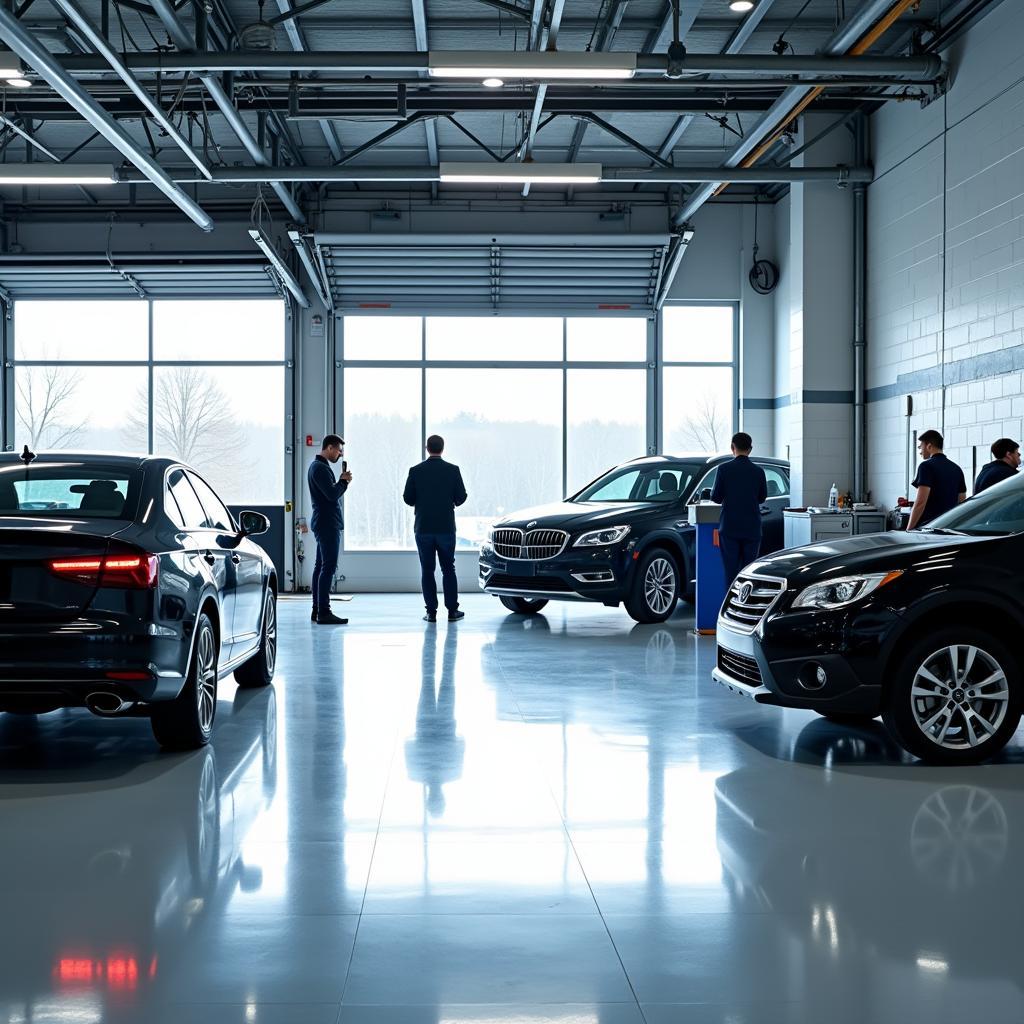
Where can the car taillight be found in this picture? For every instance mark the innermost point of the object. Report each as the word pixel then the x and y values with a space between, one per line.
pixel 130 572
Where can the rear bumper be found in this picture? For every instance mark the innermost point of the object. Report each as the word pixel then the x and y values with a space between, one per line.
pixel 63 664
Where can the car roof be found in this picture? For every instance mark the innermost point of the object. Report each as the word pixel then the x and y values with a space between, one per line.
pixel 121 460
pixel 701 458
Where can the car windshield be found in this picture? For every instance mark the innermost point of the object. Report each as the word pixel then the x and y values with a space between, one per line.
pixel 996 512
pixel 660 482
pixel 74 492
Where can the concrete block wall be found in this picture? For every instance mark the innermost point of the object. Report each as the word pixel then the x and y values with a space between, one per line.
pixel 946 261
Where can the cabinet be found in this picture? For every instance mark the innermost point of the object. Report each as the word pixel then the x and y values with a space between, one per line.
pixel 803 527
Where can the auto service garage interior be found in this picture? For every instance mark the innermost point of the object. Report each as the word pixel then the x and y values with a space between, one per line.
pixel 564 235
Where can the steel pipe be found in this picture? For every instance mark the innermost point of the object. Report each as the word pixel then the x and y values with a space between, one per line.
pixel 167 14
pixel 26 46
pixel 356 62
pixel 80 19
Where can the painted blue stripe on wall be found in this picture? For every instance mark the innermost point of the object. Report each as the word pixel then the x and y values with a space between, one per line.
pixel 805 397
pixel 961 371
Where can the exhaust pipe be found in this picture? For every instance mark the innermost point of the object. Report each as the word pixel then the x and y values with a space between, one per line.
pixel 105 704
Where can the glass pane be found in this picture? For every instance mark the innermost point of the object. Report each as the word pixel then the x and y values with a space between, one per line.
pixel 697 334
pixel 505 338
pixel 192 512
pixel 217 516
pixel 504 429
pixel 81 408
pixel 218 330
pixel 778 485
pixel 383 337
pixel 606 339
pixel 619 486
pixel 382 440
pixel 225 422
pixel 699 409
pixel 58 330
pixel 100 493
pixel 607 415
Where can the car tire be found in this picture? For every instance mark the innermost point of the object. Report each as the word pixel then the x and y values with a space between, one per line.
pixel 186 723
pixel 523 605
pixel 936 697
pixel 259 669
pixel 654 590
pixel 847 717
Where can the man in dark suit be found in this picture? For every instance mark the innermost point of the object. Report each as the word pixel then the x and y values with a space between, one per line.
pixel 1005 463
pixel 434 488
pixel 741 489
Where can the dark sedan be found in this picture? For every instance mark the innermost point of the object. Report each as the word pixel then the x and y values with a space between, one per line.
pixel 623 539
pixel 127 587
pixel 918 627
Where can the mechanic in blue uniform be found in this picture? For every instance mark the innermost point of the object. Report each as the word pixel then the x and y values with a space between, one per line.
pixel 1005 463
pixel 741 489
pixel 940 482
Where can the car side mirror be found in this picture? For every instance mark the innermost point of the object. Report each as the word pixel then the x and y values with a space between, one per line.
pixel 253 523
pixel 705 494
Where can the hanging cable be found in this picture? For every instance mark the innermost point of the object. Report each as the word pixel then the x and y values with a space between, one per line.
pixel 781 45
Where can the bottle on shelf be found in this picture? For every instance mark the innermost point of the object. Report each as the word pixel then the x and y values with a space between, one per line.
pixel 833 498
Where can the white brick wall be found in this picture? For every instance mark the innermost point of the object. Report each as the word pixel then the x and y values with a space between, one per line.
pixel 946 259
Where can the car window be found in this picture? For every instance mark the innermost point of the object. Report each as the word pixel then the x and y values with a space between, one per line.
pixel 663 485
pixel 662 482
pixel 95 492
pixel 171 509
pixel 707 483
pixel 217 515
pixel 191 510
pixel 615 486
pixel 997 511
pixel 778 483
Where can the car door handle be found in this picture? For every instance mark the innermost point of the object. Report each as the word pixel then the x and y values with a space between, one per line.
pixel 210 557
pixel 236 559
pixel 766 510
pixel 682 523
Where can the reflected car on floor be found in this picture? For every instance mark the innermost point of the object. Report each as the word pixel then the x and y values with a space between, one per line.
pixel 127 587
pixel 624 539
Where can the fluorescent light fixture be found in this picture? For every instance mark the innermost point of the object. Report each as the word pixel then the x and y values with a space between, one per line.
pixel 10 65
pixel 550 64
pixel 493 83
pixel 57 174
pixel 519 174
pixel 741 6
pixel 19 83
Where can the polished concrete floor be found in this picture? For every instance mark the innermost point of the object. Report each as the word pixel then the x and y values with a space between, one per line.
pixel 506 820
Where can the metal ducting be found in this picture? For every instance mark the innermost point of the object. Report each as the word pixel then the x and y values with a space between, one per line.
pixel 493 274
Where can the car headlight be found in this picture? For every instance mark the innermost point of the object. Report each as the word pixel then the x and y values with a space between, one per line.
pixel 601 538
pixel 843 591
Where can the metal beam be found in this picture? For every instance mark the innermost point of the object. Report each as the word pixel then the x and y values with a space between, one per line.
pixel 320 285
pixel 547 39
pixel 659 38
pixel 167 14
pixel 673 263
pixel 750 25
pixel 419 24
pixel 39 57
pixel 267 247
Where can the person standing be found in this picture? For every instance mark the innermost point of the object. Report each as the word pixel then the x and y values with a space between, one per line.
pixel 327 523
pixel 741 489
pixel 940 482
pixel 1006 462
pixel 434 488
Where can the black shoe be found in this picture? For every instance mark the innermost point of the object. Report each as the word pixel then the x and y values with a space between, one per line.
pixel 330 619
pixel 430 617
pixel 455 616
pixel 313 617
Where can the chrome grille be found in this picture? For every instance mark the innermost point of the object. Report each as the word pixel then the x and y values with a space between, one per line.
pixel 739 666
pixel 535 546
pixel 748 601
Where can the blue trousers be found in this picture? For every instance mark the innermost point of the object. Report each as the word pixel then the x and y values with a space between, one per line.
pixel 328 550
pixel 442 547
pixel 736 553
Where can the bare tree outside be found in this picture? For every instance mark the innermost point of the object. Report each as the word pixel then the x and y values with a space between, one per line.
pixel 45 397
pixel 706 429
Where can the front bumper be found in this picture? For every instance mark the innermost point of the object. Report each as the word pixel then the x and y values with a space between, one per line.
pixel 62 663
pixel 576 574
pixel 818 661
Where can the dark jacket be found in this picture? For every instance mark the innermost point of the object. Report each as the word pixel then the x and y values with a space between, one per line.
pixel 434 488
pixel 740 488
pixel 946 480
pixel 325 494
pixel 993 473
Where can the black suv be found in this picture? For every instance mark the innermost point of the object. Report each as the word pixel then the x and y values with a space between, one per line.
pixel 623 538
pixel 918 627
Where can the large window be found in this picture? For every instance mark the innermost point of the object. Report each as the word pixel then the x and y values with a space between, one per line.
pixel 698 377
pixel 201 381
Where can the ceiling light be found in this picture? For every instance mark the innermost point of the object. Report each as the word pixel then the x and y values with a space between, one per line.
pixel 57 174
pixel 519 174
pixel 493 83
pixel 19 83
pixel 741 6
pixel 549 64
pixel 10 65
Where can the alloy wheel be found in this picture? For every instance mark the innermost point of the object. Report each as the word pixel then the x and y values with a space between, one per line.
pixel 959 697
pixel 660 585
pixel 206 690
pixel 270 633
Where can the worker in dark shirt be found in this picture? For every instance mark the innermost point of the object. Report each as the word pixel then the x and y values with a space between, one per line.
pixel 326 523
pixel 1004 464
pixel 741 489
pixel 434 488
pixel 940 483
